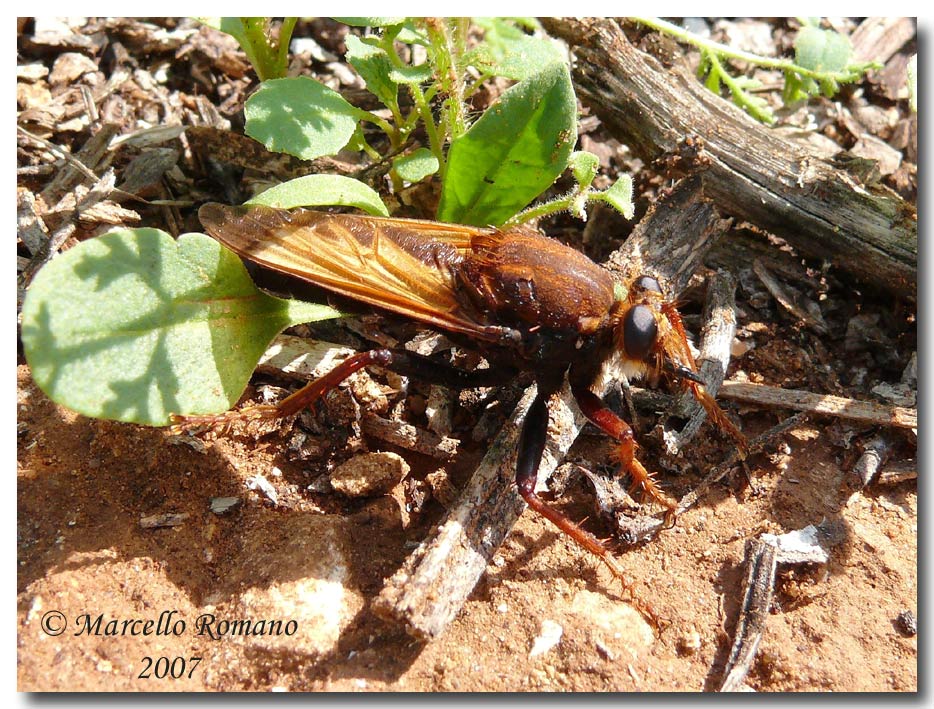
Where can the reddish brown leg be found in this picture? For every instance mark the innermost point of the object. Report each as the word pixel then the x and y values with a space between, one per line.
pixel 714 412
pixel 611 424
pixel 531 448
pixel 401 361
pixel 303 398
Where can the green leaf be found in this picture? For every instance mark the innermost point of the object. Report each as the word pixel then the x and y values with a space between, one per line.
pixel 375 67
pixel 134 326
pixel 513 53
pixel 416 166
pixel 410 34
pixel 370 21
pixel 584 166
pixel 301 117
pixel 514 151
pixel 417 74
pixel 822 50
pixel 619 196
pixel 323 190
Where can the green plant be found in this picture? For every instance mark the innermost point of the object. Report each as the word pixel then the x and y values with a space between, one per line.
pixel 134 327
pixel 268 54
pixel 823 61
pixel 489 168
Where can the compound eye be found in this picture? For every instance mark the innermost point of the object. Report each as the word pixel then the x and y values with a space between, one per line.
pixel 639 331
pixel 647 283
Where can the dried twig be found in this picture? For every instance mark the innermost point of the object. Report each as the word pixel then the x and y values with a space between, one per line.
pixel 755 174
pixel 762 557
pixel 802 308
pixel 716 341
pixel 872 458
pixel 410 437
pixel 757 597
pixel 899 472
pixel 824 404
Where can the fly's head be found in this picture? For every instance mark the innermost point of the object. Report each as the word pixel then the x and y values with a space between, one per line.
pixel 650 340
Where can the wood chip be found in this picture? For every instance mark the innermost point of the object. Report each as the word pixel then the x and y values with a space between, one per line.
pixel 31 72
pixel 169 519
pixel 409 437
pixel 81 166
pixel 145 172
pixel 888 158
pixel 877 39
pixel 69 67
pixel 30 229
pixel 792 300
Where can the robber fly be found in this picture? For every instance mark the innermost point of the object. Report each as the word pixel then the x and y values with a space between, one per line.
pixel 525 301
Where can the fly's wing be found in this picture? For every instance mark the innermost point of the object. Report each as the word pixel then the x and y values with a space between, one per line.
pixel 401 265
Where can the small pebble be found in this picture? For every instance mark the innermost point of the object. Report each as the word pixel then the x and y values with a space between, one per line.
pixel 369 474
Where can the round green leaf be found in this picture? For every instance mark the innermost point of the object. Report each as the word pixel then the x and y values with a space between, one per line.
pixel 822 50
pixel 134 326
pixel 301 117
pixel 416 166
pixel 320 191
pixel 370 21
pixel 584 166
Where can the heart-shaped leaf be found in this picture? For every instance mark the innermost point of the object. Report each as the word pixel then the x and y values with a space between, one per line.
pixel 134 326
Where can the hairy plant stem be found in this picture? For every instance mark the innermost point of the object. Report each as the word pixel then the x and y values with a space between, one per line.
pixel 722 50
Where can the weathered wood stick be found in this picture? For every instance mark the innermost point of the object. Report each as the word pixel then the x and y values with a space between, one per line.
pixel 757 597
pixel 432 585
pixel 755 174
pixel 827 404
pixel 714 357
pixel 410 437
pixel 762 557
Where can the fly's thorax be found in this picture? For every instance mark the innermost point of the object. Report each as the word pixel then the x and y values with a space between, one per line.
pixel 531 281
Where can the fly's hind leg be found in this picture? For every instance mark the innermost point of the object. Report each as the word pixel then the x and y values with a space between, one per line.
pixel 400 361
pixel 292 404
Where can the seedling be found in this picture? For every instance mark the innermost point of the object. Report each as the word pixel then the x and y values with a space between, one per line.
pixel 823 61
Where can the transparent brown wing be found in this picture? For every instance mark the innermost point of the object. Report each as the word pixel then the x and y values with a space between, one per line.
pixel 402 265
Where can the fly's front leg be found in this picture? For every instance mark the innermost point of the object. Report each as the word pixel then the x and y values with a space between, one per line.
pixel 400 361
pixel 531 448
pixel 611 424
